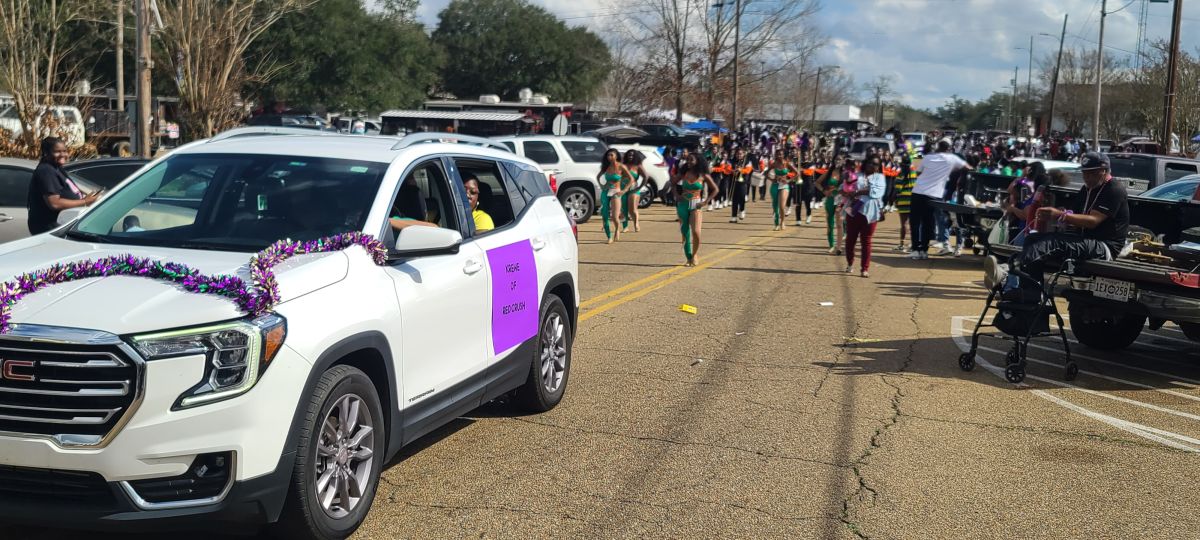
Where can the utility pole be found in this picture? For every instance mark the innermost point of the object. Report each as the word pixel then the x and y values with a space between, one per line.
pixel 1029 85
pixel 143 77
pixel 1172 80
pixel 1054 83
pixel 816 95
pixel 737 59
pixel 1012 99
pixel 121 55
pixel 1099 76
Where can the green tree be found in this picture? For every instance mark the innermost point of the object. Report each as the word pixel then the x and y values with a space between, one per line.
pixel 502 46
pixel 338 56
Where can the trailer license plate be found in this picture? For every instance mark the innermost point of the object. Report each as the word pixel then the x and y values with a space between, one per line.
pixel 1113 289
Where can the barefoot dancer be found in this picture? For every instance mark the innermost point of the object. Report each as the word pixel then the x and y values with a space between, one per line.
pixel 613 175
pixel 689 186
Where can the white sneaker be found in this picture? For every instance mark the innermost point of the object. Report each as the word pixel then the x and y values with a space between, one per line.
pixel 935 245
pixel 849 269
pixel 799 223
pixel 710 207
pixel 733 220
pixel 957 251
pixel 787 212
pixel 809 220
pixel 944 251
pixel 918 256
pixel 742 215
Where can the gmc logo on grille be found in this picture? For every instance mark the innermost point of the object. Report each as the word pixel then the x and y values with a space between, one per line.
pixel 17 370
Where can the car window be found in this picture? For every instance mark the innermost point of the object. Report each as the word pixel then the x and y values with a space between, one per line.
pixel 494 199
pixel 530 183
pixel 10 112
pixel 238 202
pixel 1174 191
pixel 585 151
pixel 1125 167
pixel 107 175
pixel 1175 171
pixel 541 152
pixel 14 187
pixel 425 196
pixel 511 146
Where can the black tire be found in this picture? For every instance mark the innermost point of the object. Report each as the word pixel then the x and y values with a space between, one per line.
pixel 1190 330
pixel 1104 329
pixel 1014 373
pixel 536 395
pixel 579 203
pixel 966 362
pixel 646 198
pixel 303 516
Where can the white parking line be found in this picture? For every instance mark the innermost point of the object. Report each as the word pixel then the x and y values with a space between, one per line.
pixel 1171 377
pixel 1166 438
pixel 1101 376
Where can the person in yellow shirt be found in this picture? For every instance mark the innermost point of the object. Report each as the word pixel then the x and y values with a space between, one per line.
pixel 483 222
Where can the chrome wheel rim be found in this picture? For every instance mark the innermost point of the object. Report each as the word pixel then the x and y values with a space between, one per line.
pixel 345 456
pixel 575 204
pixel 553 352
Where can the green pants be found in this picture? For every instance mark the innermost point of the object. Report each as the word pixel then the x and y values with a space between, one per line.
pixel 605 210
pixel 830 225
pixel 777 190
pixel 684 210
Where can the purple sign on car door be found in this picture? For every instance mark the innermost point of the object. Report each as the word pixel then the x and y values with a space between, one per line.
pixel 514 295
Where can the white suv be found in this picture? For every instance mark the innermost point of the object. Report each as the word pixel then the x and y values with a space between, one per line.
pixel 128 401
pixel 573 161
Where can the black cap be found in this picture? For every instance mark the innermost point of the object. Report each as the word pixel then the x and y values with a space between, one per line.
pixel 1093 160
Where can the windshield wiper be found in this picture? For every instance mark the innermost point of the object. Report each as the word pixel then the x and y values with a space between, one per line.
pixel 88 237
pixel 214 246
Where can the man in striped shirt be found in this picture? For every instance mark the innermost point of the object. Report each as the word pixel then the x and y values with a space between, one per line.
pixel 904 187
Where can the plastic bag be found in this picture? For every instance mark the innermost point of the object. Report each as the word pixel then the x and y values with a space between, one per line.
pixel 999 233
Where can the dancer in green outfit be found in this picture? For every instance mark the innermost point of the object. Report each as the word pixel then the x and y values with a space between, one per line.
pixel 829 182
pixel 633 162
pixel 779 188
pixel 688 185
pixel 613 176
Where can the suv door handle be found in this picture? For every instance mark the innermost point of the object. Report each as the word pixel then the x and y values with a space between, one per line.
pixel 538 244
pixel 472 267
pixel 5 217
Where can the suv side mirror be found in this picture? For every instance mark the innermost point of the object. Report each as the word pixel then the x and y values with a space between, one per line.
pixel 69 215
pixel 420 241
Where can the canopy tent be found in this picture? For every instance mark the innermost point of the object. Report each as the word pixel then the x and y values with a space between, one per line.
pixel 705 125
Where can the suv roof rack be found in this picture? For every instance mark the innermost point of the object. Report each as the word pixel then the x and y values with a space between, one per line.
pixel 259 131
pixel 417 138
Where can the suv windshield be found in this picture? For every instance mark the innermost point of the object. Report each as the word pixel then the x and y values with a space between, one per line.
pixel 585 152
pixel 237 202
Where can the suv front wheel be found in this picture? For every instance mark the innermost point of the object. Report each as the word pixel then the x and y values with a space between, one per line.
pixel 579 203
pixel 339 458
pixel 551 366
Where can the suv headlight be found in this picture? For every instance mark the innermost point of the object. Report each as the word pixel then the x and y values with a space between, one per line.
pixel 236 354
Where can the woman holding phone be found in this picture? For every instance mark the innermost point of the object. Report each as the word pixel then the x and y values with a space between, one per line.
pixel 51 190
pixel 688 186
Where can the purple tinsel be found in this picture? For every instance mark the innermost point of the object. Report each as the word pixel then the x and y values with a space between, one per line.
pixel 255 299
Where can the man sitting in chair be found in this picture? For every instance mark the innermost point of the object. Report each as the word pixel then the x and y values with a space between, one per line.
pixel 1101 215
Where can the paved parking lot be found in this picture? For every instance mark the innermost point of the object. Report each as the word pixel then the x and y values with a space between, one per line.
pixel 767 414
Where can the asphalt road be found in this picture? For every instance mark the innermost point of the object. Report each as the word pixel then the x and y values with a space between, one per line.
pixel 800 401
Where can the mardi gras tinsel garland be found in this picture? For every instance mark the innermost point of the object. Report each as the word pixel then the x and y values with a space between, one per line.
pixel 256 298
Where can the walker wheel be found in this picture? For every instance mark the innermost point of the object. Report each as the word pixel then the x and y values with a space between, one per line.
pixel 1012 358
pixel 967 361
pixel 1015 373
pixel 1072 371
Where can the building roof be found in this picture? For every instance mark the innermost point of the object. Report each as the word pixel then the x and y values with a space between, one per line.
pixel 455 115
pixel 507 104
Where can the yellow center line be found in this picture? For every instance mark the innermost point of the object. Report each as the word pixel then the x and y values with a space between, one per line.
pixel 647 279
pixel 643 292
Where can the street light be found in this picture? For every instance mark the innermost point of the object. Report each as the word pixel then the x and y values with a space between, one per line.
pixel 817 93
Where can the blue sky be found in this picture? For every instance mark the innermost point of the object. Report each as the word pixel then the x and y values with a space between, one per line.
pixel 938 48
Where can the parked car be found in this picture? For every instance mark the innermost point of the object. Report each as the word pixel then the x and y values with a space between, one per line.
pixel 622 134
pixel 573 161
pixel 1183 189
pixel 656 168
pixel 668 135
pixel 1141 172
pixel 304 121
pixel 917 139
pixel 67 117
pixel 858 150
pixel 16 174
pixel 131 402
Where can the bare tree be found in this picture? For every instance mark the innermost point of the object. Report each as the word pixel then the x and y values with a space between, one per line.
pixel 879 90
pixel 664 29
pixel 36 59
pixel 204 43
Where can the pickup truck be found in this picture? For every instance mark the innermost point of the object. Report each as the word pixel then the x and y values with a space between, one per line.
pixel 1111 302
pixel 1141 172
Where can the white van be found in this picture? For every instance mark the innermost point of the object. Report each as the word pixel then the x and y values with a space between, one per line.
pixel 67 117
